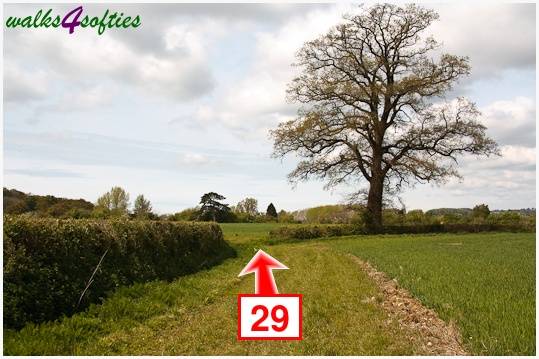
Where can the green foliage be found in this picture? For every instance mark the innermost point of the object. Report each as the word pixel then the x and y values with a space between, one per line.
pixel 271 211
pixel 485 283
pixel 303 232
pixel 392 217
pixel 17 202
pixel 329 214
pixel 415 217
pixel 481 211
pixel 213 210
pixel 115 202
pixel 197 314
pixel 189 214
pixel 47 262
pixel 285 217
pixel 457 228
pixel 247 206
pixel 142 208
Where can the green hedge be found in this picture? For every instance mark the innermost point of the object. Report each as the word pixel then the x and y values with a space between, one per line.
pixel 318 231
pixel 48 262
pixel 314 231
pixel 458 228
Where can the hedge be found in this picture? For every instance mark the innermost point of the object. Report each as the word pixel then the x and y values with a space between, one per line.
pixel 458 228
pixel 314 231
pixel 49 262
pixel 318 231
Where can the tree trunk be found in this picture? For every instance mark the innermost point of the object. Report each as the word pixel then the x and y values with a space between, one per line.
pixel 374 200
pixel 374 206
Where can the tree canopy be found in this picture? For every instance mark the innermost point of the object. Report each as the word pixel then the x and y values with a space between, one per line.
pixel 115 201
pixel 271 211
pixel 373 107
pixel 211 209
pixel 248 206
pixel 142 208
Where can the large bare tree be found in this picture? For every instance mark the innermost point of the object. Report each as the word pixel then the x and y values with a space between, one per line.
pixel 373 106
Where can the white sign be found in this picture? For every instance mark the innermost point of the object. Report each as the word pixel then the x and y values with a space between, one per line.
pixel 271 317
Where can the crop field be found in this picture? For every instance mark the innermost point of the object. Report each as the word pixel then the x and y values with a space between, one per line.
pixel 485 283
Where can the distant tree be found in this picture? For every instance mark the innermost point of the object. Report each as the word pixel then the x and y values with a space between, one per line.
pixel 248 206
pixel 213 210
pixel 481 211
pixel 188 214
pixel 271 211
pixel 415 216
pixel 16 202
pixel 115 201
pixel 285 217
pixel 142 208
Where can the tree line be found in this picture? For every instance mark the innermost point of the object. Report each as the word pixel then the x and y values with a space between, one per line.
pixel 115 203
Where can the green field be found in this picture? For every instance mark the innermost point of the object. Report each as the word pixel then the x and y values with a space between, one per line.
pixel 484 282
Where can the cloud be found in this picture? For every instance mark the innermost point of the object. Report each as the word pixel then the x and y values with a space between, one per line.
pixel 22 85
pixel 168 55
pixel 194 159
pixel 181 72
pixel 217 73
pixel 257 102
pixel 45 172
pixel 511 122
pixel 86 149
pixel 495 37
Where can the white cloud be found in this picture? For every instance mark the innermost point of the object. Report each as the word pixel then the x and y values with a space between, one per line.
pixel 172 56
pixel 194 159
pixel 22 85
pixel 511 122
pixel 182 73
pixel 257 102
pixel 495 37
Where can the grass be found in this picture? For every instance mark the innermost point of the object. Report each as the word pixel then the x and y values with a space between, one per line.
pixel 196 314
pixel 483 282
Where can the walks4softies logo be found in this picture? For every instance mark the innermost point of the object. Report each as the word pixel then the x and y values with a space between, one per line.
pixel 73 19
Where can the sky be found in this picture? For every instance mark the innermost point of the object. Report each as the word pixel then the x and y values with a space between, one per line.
pixel 182 105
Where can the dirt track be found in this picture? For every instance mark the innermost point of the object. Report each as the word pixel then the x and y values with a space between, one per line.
pixel 435 336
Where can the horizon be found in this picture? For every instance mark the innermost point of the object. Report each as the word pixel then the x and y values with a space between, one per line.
pixel 261 209
pixel 182 105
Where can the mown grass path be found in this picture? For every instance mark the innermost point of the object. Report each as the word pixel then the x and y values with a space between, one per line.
pixel 196 314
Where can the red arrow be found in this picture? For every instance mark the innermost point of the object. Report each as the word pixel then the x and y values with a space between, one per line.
pixel 262 265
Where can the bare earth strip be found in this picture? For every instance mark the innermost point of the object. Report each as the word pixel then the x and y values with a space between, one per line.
pixel 436 336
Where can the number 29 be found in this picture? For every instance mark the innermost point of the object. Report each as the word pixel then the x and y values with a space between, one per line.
pixel 280 320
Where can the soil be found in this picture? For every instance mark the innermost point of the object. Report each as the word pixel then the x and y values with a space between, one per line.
pixel 432 335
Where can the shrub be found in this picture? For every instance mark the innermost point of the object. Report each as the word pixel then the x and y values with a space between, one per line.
pixel 318 231
pixel 314 231
pixel 457 228
pixel 189 214
pixel 48 262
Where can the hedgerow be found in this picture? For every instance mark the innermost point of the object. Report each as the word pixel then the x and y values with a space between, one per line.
pixel 319 231
pixel 49 262
pixel 314 231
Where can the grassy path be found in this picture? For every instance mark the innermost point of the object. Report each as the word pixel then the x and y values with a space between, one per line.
pixel 197 314
pixel 484 282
